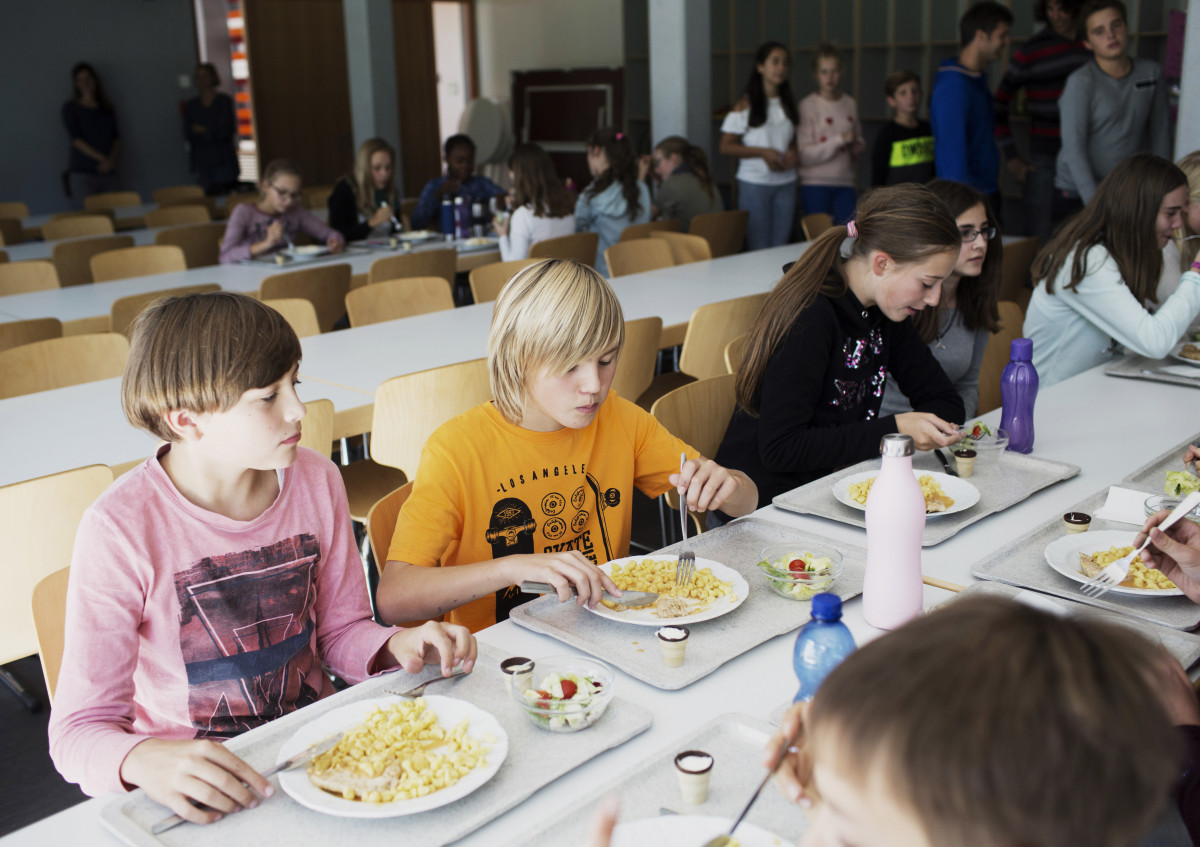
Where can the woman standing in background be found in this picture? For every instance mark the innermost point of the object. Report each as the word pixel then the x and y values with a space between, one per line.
pixel 92 127
pixel 210 128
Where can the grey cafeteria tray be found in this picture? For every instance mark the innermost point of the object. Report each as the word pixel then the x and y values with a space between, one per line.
pixel 1153 475
pixel 1023 563
pixel 1002 480
pixel 1133 366
pixel 762 616
pixel 536 757
pixel 736 744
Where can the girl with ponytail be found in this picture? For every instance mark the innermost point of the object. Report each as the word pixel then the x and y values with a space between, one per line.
pixel 615 198
pixel 685 185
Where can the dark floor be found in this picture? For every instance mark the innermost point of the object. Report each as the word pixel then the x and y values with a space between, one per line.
pixel 30 787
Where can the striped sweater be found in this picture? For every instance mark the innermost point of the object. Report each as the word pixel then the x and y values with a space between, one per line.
pixel 1041 66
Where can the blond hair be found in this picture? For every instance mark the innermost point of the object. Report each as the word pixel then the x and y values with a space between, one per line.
pixel 364 182
pixel 549 317
pixel 201 352
pixel 1000 724
pixel 1190 165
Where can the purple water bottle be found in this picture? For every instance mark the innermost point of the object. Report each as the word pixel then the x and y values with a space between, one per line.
pixel 447 215
pixel 1018 390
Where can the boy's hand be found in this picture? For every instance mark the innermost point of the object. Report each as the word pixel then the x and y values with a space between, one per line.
pixel 1175 552
pixel 175 773
pixel 431 643
pixel 706 485
pixel 562 570
pixel 794 776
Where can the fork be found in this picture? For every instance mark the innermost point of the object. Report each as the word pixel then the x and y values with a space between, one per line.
pixel 687 559
pixel 1115 573
pixel 420 689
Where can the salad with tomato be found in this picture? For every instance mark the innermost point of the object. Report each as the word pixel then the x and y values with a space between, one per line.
pixel 799 575
pixel 566 701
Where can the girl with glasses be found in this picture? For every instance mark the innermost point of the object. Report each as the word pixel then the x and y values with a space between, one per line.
pixel 271 224
pixel 957 331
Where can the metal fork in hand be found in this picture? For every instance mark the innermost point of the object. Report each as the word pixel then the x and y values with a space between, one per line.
pixel 686 567
pixel 1115 573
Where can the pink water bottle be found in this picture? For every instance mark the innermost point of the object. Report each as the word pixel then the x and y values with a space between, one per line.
pixel 892 593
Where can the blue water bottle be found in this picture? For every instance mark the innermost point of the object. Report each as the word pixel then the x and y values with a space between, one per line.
pixel 447 215
pixel 821 645
pixel 1018 390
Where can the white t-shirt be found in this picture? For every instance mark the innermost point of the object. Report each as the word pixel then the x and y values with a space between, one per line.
pixel 524 229
pixel 776 132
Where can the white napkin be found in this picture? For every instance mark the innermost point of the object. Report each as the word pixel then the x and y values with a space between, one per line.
pixel 1124 505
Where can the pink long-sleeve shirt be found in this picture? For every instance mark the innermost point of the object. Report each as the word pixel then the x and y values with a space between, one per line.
pixel 825 158
pixel 248 225
pixel 182 623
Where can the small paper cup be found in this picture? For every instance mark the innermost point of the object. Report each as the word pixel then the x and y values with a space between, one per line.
pixel 673 641
pixel 694 768
pixel 518 675
pixel 965 460
pixel 1074 522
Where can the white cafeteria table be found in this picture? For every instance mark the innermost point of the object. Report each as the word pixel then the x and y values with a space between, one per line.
pixel 1154 418
pixel 45 249
pixel 119 214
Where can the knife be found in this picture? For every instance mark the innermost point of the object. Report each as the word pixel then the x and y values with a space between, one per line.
pixel 950 469
pixel 633 599
pixel 302 758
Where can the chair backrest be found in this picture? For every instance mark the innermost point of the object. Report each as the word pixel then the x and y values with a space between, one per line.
pixel 398 298
pixel 49 604
pixel 300 314
pixel 685 248
pixel 76 226
pixel 178 215
pixel 581 247
pixel 487 280
pixel 815 224
pixel 32 275
pixel 381 522
pixel 635 368
pixel 174 194
pixel 443 263
pixel 235 200
pixel 126 309
pixel 633 231
pixel 73 259
pixel 408 205
pixel 59 362
pixel 16 333
pixel 712 327
pixel 1018 258
pixel 316 432
pixel 137 261
pixel 997 354
pixel 735 353
pixel 316 196
pixel 38 520
pixel 111 200
pixel 698 413
pixel 642 254
pixel 199 242
pixel 3 255
pixel 324 286
pixel 14 209
pixel 11 231
pixel 725 232
pixel 409 408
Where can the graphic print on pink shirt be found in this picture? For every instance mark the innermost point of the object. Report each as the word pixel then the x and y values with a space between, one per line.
pixel 245 631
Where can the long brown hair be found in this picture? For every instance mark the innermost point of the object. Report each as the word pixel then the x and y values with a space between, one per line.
pixel 693 156
pixel 622 168
pixel 1121 217
pixel 976 295
pixel 907 222
pixel 536 183
pixel 364 181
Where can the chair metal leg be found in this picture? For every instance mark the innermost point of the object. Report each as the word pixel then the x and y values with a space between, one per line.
pixel 14 685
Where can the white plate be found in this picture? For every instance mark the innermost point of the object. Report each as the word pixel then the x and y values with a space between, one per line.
pixel 690 831
pixel 1175 354
pixel 449 712
pixel 964 494
pixel 419 235
pixel 646 617
pixel 1063 555
pixel 308 249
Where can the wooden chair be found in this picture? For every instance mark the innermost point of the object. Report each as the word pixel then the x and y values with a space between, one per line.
pixel 685 248
pixel 32 275
pixel 14 209
pixel 398 298
pixel 235 200
pixel 381 526
pixel 59 362
pixel 174 195
pixel 73 259
pixel 358 281
pixel 316 432
pixel 408 205
pixel 633 231
pixel 126 309
pixel 3 255
pixel 16 333
pixel 487 280
pixel 300 314
pixel 697 413
pixel 1014 270
pixel 111 200
pixel 38 521
pixel 184 213
pixel 11 231
pixel 635 367
pixel 316 196
pixel 50 624
pixel 997 353
pixel 137 261
pixel 725 232
pixel 443 263
pixel 324 286
pixel 643 254
pixel 580 247
pixel 76 226
pixel 198 242
pixel 815 224
pixel 735 353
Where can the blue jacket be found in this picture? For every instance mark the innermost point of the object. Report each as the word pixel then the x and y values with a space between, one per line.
pixel 964 145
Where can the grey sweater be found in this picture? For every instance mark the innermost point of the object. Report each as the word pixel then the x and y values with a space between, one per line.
pixel 960 353
pixel 1105 120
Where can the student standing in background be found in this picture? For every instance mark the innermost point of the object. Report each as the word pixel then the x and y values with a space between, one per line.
pixel 904 147
pixel 95 142
pixel 210 128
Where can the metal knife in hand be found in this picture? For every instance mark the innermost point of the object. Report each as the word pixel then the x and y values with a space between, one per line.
pixel 632 599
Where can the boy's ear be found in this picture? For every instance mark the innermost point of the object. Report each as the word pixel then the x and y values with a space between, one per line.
pixel 891 101
pixel 184 424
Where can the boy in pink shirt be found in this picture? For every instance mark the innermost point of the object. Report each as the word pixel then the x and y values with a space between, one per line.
pixel 830 140
pixel 211 584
